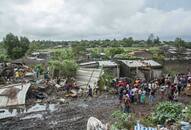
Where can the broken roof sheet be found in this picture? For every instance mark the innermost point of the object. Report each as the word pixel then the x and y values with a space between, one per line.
pixel 87 77
pixel 107 63
pixel 88 63
pixel 141 63
pixel 100 63
pixel 13 94
pixel 152 63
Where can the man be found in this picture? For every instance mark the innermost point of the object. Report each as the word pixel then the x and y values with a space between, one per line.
pixel 127 103
pixel 90 91
pixel 152 96
pixel 162 91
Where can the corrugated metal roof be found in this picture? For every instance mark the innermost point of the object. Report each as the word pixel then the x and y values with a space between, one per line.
pixel 107 63
pixel 141 63
pixel 8 98
pixel 152 63
pixel 133 63
pixel 88 63
pixel 85 75
pixel 100 63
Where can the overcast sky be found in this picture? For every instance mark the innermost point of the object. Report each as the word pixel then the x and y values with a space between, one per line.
pixel 95 19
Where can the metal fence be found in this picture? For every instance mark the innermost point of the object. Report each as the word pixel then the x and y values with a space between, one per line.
pixel 141 127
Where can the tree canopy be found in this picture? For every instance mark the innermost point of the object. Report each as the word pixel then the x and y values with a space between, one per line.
pixel 15 47
pixel 63 64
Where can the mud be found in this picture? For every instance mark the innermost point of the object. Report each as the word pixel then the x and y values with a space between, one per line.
pixel 72 116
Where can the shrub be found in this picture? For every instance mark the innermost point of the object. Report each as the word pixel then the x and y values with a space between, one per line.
pixel 123 120
pixel 167 111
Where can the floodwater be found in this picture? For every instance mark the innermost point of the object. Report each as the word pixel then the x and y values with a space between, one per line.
pixel 12 112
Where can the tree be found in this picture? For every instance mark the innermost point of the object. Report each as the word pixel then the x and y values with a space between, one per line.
pixel 63 64
pixel 65 68
pixel 128 42
pixel 15 48
pixel 3 58
pixel 157 40
pixel 179 43
pixel 78 49
pixel 34 46
pixel 24 43
pixel 150 39
pixel 113 51
pixel 65 54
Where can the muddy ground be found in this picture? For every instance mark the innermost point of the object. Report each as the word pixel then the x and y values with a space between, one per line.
pixel 74 115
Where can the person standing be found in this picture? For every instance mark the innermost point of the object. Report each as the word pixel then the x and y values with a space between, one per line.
pixel 152 96
pixel 90 91
pixel 127 103
pixel 142 100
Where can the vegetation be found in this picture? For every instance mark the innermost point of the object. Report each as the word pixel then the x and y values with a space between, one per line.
pixel 33 47
pixel 187 113
pixel 62 64
pixel 78 49
pixel 123 121
pixel 64 69
pixel 167 111
pixel 15 47
pixel 163 112
pixel 3 55
pixel 111 52
pixel 107 78
pixel 40 67
pixel 63 54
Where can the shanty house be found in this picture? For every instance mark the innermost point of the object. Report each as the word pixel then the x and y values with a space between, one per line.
pixel 144 69
pixel 106 65
pixel 88 76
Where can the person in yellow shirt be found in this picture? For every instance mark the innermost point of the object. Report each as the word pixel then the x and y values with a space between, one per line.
pixel 17 74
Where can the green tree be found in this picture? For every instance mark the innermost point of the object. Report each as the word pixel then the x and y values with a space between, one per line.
pixel 78 49
pixel 62 64
pixel 65 68
pixel 157 40
pixel 34 46
pixel 179 43
pixel 24 43
pixel 113 51
pixel 150 39
pixel 128 42
pixel 64 54
pixel 15 48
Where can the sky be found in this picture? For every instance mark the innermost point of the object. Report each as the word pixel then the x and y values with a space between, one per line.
pixel 95 19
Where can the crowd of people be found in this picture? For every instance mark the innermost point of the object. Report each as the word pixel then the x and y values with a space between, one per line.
pixel 142 92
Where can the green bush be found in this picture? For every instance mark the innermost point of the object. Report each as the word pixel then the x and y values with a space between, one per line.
pixel 123 121
pixel 101 84
pixel 147 121
pixel 187 113
pixel 167 111
pixel 40 68
pixel 65 68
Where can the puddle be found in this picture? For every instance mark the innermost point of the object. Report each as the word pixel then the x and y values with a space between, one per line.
pixel 83 105
pixel 38 107
pixel 32 116
pixel 12 112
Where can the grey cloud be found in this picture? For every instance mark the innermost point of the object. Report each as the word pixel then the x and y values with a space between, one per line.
pixel 80 19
